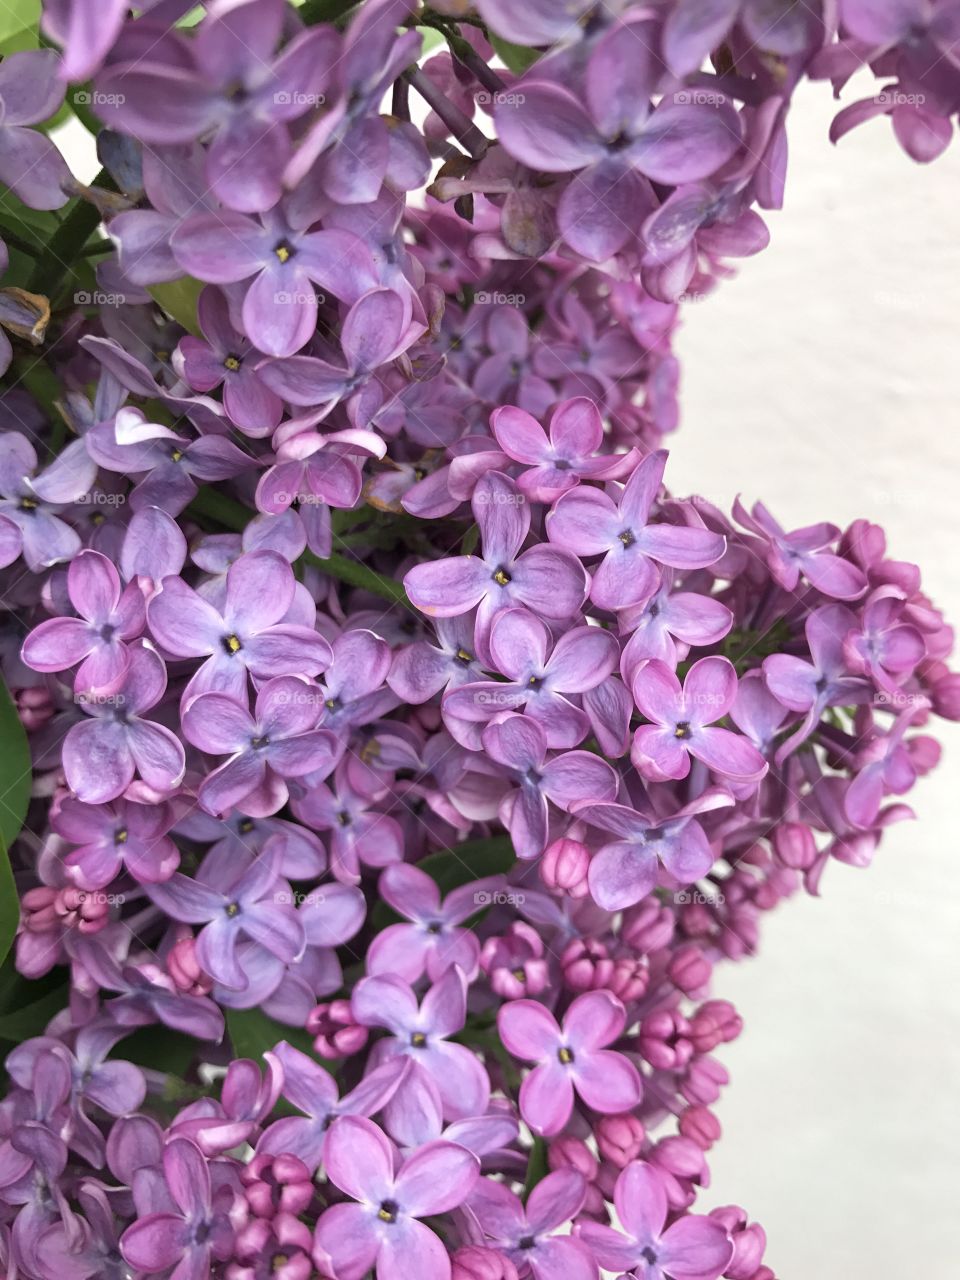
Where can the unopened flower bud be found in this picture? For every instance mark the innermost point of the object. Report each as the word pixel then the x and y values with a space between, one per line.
pixel 479 1263
pixel 184 968
pixel 564 867
pixel 34 707
pixel 619 1138
pixel 586 965
pixel 795 846
pixel 573 1153
pixel 85 912
pixel 337 1032
pixel 689 969
pixel 700 1125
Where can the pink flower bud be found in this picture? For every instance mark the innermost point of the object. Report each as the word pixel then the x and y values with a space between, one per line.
pixel 573 1153
pixel 795 846
pixel 701 1126
pixel 184 968
pixel 663 1040
pixel 34 707
pixel 39 914
pixel 586 965
pixel 337 1032
pixel 648 927
pixel 946 696
pixel 619 1138
pixel 749 1242
pixel 85 912
pixel 564 867
pixel 716 1022
pixel 275 1185
pixel 478 1263
pixel 689 969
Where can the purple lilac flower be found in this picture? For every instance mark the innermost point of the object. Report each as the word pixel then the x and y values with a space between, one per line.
pixel 589 523
pixel 421 1033
pixel 669 617
pixel 568 780
pixel 803 551
pixel 548 581
pixel 682 720
pixel 383 1230
pixel 225 357
pixel 30 164
pixel 255 904
pixel 109 615
pixel 359 831
pixel 538 680
pixel 283 263
pixel 32 502
pixel 250 636
pixel 279 741
pixel 617 139
pixel 692 1248
pixel 312 1090
pixel 101 755
pixel 530 1235
pixel 180 1224
pixel 421 670
pixel 225 84
pixel 624 870
pixel 433 940
pixel 571 1058
pixel 111 836
pixel 558 463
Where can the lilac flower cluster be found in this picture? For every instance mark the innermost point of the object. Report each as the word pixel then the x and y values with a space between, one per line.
pixel 403 756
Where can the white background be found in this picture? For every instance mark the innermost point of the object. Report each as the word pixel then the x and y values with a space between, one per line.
pixel 824 380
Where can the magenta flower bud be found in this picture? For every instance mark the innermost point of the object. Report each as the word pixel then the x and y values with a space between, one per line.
pixel 586 965
pixel 630 979
pixel 663 1039
pixel 679 1157
pixel 564 867
pixel 946 696
pixel 716 1022
pixel 514 962
pixel 275 1185
pixel 479 1263
pixel 338 1034
pixel 749 1242
pixel 689 969
pixel 619 1138
pixel 39 913
pixel 700 1125
pixel 34 707
pixel 648 927
pixel 184 968
pixel 795 846
pixel 573 1153
pixel 85 912
pixel 705 1079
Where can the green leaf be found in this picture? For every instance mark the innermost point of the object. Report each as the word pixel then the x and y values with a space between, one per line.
pixel 537 1167
pixel 15 778
pixel 516 57
pixel 17 17
pixel 473 860
pixel 252 1034
pixel 160 1049
pixel 31 1005
pixel 179 299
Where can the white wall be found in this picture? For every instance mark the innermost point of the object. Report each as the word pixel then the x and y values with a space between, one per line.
pixel 825 380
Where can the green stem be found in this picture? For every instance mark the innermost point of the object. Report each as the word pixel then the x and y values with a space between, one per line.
pixel 232 515
pixel 316 11
pixel 66 243
pixel 13 241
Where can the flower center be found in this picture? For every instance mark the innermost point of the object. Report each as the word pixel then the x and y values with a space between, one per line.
pixel 463 657
pixel 682 730
pixel 259 743
pixel 231 644
pixel 28 504
pixel 232 363
pixel 526 1242
pixel 232 909
pixel 565 1055
pixel 627 537
pixel 418 1040
pixel 284 250
pixel 501 578
pixel 121 835
pixel 388 1211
